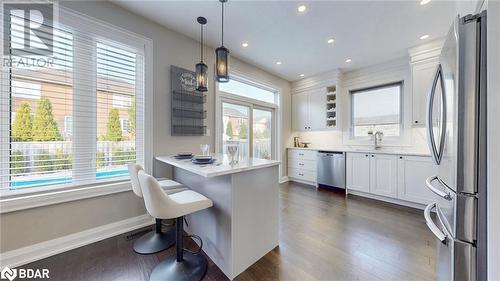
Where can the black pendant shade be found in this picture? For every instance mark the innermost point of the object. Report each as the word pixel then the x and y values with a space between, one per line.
pixel 222 64
pixel 222 56
pixel 201 77
pixel 201 67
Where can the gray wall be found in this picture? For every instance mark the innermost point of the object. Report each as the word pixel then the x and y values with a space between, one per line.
pixel 23 228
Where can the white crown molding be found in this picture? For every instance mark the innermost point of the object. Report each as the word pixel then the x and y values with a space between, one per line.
pixel 59 245
pixel 430 50
pixel 391 71
pixel 325 79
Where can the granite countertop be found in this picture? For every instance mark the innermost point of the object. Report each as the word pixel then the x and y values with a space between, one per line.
pixel 373 151
pixel 220 167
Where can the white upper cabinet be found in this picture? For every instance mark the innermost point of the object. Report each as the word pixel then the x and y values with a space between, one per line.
pixel 309 110
pixel 422 76
pixel 424 60
pixel 300 111
pixel 383 174
pixel 317 110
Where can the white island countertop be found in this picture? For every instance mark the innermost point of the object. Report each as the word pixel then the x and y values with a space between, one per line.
pixel 220 167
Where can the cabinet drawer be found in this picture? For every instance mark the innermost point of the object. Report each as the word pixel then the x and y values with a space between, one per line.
pixel 302 174
pixel 300 164
pixel 302 154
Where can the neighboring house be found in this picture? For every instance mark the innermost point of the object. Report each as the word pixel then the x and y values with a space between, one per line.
pixel 56 85
pixel 236 118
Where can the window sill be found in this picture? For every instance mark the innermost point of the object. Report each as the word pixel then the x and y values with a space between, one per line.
pixel 25 202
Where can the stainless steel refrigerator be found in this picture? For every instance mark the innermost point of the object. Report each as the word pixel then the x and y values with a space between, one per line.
pixel 456 129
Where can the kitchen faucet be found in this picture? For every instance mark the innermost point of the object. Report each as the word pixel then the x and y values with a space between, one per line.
pixel 377 137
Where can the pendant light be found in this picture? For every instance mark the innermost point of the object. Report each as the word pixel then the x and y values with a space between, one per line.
pixel 201 67
pixel 222 56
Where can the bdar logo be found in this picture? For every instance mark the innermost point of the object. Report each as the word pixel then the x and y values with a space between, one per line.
pixel 8 273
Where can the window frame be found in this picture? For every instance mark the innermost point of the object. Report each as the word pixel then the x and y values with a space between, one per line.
pixel 365 139
pixel 221 97
pixel 48 195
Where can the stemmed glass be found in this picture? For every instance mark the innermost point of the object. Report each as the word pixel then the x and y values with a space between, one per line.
pixel 232 149
pixel 205 149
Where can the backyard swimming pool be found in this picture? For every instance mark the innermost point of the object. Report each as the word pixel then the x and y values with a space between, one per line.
pixel 31 183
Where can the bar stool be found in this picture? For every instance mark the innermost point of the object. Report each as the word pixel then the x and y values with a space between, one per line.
pixel 154 241
pixel 183 265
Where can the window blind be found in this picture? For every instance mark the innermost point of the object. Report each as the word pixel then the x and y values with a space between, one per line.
pixel 60 117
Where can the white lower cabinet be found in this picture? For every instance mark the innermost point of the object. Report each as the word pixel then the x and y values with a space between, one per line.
pixel 383 174
pixel 302 165
pixel 358 171
pixel 413 171
pixel 393 176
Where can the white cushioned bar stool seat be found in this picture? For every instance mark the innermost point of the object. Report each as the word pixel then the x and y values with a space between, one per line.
pixel 154 241
pixel 183 265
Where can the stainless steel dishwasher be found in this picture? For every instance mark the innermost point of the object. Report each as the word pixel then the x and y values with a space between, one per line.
pixel 331 168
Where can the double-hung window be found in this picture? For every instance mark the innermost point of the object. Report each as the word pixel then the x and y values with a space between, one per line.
pixel 76 117
pixel 376 109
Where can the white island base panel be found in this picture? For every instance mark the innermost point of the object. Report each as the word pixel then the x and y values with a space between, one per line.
pixel 243 224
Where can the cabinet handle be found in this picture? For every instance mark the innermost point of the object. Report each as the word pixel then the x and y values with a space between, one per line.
pixel 301 154
pixel 373 155
pixel 416 122
pixel 301 164
pixel 400 157
pixel 366 155
pixel 301 174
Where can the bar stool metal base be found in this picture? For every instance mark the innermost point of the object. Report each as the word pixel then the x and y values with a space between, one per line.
pixel 154 242
pixel 192 267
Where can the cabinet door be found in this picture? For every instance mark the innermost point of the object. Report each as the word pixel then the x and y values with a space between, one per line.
pixel 413 171
pixel 383 174
pixel 422 77
pixel 300 112
pixel 317 110
pixel 358 171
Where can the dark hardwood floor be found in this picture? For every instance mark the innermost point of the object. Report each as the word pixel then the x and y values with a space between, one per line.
pixel 323 236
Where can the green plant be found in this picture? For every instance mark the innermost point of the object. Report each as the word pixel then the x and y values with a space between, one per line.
pixel 243 131
pixel 229 130
pixel 17 165
pixel 43 162
pixel 114 130
pixel 122 157
pixel 131 117
pixel 99 161
pixel 62 161
pixel 44 125
pixel 22 128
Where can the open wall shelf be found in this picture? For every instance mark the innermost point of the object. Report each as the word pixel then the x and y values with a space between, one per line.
pixel 331 107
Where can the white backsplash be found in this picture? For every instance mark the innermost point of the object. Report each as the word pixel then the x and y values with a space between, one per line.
pixel 334 139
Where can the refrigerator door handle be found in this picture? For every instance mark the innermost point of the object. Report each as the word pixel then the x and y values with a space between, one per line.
pixel 431 225
pixel 435 153
pixel 440 193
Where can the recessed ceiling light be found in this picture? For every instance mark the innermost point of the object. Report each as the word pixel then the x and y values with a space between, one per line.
pixel 330 41
pixel 244 44
pixel 301 75
pixel 423 37
pixel 302 8
pixel 423 2
pixel 348 60
pixel 278 62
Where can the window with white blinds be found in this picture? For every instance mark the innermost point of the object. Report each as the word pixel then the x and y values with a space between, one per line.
pixel 76 119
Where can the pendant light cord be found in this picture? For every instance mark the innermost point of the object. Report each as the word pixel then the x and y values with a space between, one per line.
pixel 222 23
pixel 201 43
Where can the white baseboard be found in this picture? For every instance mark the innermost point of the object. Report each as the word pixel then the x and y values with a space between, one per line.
pixel 59 245
pixel 284 179
pixel 386 199
pixel 314 184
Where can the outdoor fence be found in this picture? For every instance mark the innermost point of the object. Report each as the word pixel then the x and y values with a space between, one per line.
pixel 261 147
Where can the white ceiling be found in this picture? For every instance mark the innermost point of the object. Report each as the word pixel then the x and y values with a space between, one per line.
pixel 369 32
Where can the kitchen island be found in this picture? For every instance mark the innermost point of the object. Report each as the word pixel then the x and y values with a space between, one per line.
pixel 243 224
